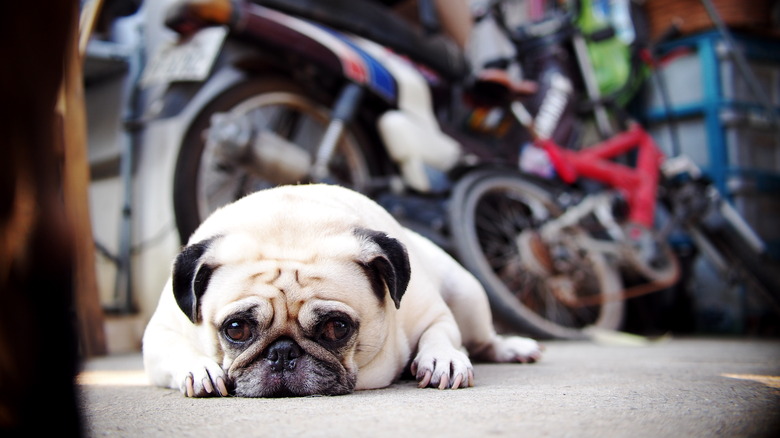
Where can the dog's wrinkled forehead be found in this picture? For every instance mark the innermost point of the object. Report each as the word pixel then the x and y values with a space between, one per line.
pixel 239 248
pixel 383 260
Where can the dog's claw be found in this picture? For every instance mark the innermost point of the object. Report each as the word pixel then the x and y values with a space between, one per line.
pixel 425 380
pixel 207 385
pixel 190 386
pixel 444 383
pixel 458 380
pixel 221 387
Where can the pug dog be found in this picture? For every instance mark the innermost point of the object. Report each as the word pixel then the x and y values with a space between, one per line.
pixel 317 290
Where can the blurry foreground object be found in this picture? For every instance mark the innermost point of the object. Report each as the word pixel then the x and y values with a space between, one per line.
pixel 46 277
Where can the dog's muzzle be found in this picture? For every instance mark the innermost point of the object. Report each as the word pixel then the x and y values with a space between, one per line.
pixel 284 369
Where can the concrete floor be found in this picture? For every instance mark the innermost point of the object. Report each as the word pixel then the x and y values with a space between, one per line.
pixel 674 388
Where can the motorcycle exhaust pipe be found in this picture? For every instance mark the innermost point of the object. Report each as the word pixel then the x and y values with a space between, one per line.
pixel 260 152
pixel 279 160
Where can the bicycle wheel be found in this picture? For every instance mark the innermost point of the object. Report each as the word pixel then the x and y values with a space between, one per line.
pixel 209 174
pixel 492 217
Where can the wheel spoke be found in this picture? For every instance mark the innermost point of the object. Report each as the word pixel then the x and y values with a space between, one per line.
pixel 284 121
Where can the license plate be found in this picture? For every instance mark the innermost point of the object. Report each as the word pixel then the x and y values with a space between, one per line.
pixel 189 60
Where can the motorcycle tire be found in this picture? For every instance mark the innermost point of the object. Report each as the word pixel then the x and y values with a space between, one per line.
pixel 488 211
pixel 205 181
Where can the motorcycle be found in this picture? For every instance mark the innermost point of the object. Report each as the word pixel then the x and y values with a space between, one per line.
pixel 310 103
pixel 348 93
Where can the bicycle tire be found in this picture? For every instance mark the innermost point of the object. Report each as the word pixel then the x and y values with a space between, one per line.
pixel 474 205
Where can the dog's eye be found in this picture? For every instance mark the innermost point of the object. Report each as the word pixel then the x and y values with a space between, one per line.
pixel 335 330
pixel 238 331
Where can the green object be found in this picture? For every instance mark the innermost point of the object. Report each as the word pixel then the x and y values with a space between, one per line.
pixel 611 57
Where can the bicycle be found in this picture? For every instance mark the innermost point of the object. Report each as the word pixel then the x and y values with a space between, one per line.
pixel 553 253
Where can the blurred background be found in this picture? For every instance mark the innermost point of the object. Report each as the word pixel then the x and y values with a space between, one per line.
pixel 710 107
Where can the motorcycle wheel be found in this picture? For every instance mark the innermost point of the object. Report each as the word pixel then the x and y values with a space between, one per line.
pixel 205 180
pixel 488 213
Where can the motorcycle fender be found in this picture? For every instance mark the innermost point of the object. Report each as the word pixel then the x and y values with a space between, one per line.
pixel 179 98
pixel 188 98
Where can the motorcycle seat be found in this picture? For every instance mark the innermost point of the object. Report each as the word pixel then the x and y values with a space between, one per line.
pixel 376 22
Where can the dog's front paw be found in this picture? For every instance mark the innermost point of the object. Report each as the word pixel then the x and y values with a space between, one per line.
pixel 512 349
pixel 205 378
pixel 443 367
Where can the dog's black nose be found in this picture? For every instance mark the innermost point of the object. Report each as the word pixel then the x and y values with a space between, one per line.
pixel 282 354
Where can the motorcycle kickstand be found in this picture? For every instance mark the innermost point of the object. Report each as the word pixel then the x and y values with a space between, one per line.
pixel 343 112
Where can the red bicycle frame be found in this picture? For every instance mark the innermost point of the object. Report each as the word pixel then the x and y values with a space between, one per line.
pixel 638 184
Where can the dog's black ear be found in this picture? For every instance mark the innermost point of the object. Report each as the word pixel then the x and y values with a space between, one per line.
pixel 191 278
pixel 386 263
